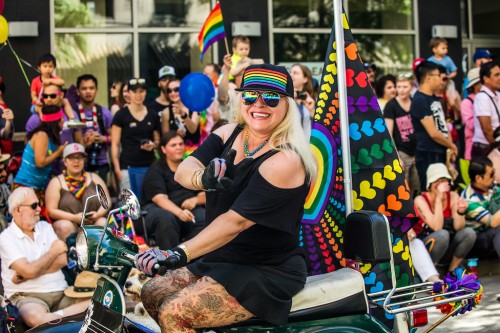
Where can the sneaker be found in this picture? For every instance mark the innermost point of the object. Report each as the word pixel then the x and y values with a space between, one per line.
pixel 75 123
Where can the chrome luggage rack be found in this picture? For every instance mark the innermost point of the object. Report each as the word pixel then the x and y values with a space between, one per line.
pixel 420 296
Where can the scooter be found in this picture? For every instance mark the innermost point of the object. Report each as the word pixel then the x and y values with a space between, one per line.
pixel 332 302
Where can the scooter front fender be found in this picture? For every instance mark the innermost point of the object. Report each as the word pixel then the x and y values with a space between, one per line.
pixel 73 324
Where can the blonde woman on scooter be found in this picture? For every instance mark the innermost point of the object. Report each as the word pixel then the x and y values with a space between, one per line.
pixel 257 175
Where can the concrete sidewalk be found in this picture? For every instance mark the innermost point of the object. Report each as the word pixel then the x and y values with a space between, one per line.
pixel 485 318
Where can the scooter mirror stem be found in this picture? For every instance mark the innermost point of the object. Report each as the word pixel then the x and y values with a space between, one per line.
pixel 85 208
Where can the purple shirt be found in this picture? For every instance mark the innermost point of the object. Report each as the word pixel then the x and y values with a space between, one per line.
pixel 66 133
pixel 107 118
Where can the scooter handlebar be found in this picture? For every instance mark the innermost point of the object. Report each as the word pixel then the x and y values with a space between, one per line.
pixel 155 262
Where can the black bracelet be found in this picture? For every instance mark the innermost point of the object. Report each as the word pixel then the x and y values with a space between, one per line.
pixel 184 116
pixel 462 214
pixel 182 257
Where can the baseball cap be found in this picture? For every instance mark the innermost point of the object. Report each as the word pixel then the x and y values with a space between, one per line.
pixel 267 77
pixel 481 54
pixel 371 65
pixel 473 77
pixel 166 71
pixel 436 171
pixel 4 157
pixel 416 62
pixel 73 148
pixel 136 83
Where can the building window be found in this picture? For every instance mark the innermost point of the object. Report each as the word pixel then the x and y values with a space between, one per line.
pixel 484 14
pixel 179 50
pixel 107 56
pixel 92 14
pixel 381 14
pixel 302 14
pixel 173 13
pixel 384 31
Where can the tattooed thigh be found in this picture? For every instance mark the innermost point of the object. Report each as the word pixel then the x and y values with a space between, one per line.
pixel 203 304
pixel 157 290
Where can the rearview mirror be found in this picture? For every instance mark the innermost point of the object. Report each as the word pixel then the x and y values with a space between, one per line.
pixel 103 198
pixel 130 204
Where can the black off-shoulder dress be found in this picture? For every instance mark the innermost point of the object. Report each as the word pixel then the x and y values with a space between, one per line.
pixel 263 267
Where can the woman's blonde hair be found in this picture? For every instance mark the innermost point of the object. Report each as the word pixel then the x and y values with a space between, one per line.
pixel 289 136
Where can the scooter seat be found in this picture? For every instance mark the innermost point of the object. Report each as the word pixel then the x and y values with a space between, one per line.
pixel 339 293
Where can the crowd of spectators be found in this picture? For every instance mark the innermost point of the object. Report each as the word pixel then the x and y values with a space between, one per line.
pixel 72 145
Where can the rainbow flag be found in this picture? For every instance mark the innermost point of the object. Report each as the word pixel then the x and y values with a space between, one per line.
pixel 129 228
pixel 212 30
pixel 112 222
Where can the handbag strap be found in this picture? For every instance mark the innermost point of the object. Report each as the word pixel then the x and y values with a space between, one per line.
pixel 492 101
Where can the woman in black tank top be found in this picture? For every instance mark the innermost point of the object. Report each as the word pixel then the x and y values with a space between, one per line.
pixel 248 260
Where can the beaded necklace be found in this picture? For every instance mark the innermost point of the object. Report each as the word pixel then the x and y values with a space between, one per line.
pixel 245 145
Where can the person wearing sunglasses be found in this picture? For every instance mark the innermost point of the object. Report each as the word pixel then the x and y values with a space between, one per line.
pixel 165 74
pixel 135 133
pixel 66 194
pixel 177 117
pixel 442 222
pixel 118 101
pixel 46 67
pixel 40 153
pixel 256 174
pixel 32 257
pixel 483 210
pixel 55 97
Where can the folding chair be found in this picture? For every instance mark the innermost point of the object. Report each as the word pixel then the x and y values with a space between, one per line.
pixel 136 176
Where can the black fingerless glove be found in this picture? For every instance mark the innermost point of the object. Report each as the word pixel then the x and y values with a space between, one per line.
pixel 219 173
pixel 210 176
pixel 174 258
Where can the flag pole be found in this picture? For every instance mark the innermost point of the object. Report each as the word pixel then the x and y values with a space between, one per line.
pixel 227 47
pixel 342 90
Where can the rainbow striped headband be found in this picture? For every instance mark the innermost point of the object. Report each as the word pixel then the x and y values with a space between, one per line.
pixel 259 78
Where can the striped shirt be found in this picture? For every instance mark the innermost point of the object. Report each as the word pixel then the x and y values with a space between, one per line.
pixel 479 203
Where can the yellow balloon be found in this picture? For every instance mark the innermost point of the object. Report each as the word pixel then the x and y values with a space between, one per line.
pixel 4 29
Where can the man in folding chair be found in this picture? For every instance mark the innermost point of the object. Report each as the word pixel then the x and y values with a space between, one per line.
pixel 174 212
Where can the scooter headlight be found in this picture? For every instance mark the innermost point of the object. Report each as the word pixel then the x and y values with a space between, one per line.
pixel 82 249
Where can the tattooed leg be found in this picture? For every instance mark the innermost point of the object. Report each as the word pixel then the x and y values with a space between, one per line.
pixel 203 304
pixel 157 290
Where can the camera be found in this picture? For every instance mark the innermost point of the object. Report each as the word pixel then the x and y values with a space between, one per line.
pixel 93 154
pixel 301 95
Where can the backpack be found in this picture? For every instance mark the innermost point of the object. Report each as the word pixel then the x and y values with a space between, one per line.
pixel 9 318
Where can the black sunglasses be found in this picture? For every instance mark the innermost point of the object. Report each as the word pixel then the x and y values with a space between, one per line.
pixel 271 99
pixel 33 206
pixel 176 89
pixel 50 95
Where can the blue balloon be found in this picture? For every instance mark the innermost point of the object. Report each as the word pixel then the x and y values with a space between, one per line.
pixel 197 91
